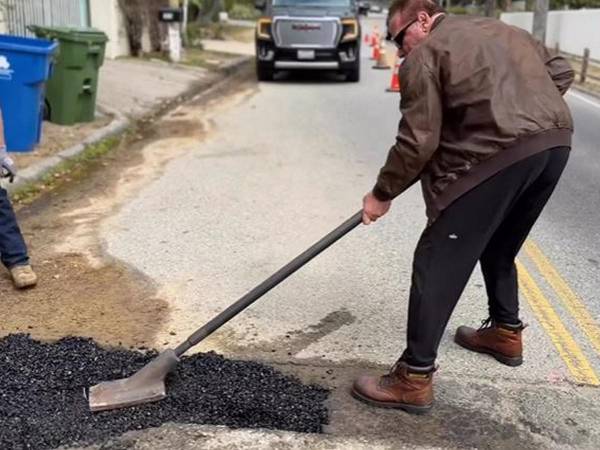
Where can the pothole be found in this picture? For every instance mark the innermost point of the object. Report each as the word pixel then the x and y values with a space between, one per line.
pixel 42 405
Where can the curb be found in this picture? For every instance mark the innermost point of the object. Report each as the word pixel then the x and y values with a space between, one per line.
pixel 37 171
pixel 118 126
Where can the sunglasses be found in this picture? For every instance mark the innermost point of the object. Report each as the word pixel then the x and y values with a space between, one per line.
pixel 398 40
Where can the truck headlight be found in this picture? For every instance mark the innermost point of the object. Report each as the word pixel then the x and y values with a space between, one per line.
pixel 349 30
pixel 263 28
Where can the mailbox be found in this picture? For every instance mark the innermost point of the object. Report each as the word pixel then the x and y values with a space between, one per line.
pixel 170 15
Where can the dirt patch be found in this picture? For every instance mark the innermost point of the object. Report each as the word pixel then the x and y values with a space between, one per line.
pixel 83 291
pixel 110 304
pixel 241 34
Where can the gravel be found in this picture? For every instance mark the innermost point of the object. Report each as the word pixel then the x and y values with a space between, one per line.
pixel 42 403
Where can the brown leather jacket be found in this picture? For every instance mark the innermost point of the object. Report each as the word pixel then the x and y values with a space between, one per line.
pixel 477 96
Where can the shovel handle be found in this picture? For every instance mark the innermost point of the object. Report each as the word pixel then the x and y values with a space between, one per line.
pixel 269 283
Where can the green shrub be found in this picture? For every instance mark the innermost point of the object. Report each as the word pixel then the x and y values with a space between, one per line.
pixel 243 12
pixel 458 10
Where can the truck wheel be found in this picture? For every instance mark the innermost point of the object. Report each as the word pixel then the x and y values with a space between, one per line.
pixel 353 74
pixel 264 73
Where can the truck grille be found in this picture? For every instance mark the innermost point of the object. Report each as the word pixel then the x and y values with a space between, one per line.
pixel 302 32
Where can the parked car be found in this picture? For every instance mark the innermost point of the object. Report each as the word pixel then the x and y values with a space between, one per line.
pixel 308 35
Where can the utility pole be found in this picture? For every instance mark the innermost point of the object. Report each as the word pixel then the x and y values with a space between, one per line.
pixel 540 19
pixel 490 6
pixel 185 22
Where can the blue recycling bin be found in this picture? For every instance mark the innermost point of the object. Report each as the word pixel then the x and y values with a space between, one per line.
pixel 25 66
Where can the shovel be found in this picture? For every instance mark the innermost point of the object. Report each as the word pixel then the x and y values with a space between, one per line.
pixel 148 384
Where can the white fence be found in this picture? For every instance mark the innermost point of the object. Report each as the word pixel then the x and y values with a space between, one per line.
pixel 572 30
pixel 18 14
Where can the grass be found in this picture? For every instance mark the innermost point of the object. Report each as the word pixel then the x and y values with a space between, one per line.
pixel 219 31
pixel 67 170
pixel 241 34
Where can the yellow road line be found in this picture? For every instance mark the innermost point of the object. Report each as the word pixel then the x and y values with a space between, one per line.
pixel 568 349
pixel 571 301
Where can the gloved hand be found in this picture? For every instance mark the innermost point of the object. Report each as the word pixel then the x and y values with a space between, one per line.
pixel 7 165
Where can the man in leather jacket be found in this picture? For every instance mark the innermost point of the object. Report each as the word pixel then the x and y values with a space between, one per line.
pixel 486 131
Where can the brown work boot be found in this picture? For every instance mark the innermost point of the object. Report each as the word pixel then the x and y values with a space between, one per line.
pixel 402 388
pixel 502 341
pixel 23 276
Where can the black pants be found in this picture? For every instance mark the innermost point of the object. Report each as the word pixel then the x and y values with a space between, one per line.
pixel 488 224
pixel 13 251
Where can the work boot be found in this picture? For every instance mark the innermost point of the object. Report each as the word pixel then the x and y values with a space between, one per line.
pixel 404 388
pixel 502 341
pixel 23 276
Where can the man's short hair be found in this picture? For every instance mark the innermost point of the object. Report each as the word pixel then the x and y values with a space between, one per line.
pixel 410 8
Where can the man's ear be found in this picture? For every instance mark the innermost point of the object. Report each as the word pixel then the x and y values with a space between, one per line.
pixel 424 21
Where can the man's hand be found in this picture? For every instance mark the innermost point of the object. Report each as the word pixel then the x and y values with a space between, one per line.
pixel 7 166
pixel 373 209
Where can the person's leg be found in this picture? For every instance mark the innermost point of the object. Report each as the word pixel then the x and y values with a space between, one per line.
pixel 443 263
pixel 498 259
pixel 13 251
pixel 500 336
pixel 450 248
pixel 444 260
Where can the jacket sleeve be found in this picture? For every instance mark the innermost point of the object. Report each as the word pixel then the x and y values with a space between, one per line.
pixel 558 68
pixel 418 132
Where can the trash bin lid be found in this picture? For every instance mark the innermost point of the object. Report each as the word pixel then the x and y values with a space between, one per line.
pixel 27 45
pixel 73 34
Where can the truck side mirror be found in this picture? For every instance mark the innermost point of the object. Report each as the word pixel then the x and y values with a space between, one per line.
pixel 260 4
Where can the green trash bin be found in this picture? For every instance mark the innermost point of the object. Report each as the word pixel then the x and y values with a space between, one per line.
pixel 71 92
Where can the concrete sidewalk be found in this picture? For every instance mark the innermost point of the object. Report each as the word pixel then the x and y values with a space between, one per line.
pixel 135 87
pixel 230 47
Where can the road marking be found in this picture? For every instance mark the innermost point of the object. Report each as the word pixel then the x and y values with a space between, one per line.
pixel 585 99
pixel 572 302
pixel 577 363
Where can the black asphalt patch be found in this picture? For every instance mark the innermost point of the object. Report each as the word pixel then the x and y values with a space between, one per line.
pixel 42 404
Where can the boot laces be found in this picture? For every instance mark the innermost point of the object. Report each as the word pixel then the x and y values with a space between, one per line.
pixel 487 323
pixel 391 377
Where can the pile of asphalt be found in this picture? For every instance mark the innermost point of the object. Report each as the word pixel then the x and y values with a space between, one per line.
pixel 42 404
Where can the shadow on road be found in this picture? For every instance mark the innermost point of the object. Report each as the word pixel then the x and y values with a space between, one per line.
pixel 308 77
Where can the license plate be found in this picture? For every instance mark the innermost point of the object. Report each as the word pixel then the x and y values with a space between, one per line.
pixel 306 54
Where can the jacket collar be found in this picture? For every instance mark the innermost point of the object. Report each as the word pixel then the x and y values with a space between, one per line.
pixel 437 21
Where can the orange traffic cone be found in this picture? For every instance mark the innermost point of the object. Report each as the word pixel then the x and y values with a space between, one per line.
pixel 375 36
pixel 382 62
pixel 375 53
pixel 395 83
pixel 376 50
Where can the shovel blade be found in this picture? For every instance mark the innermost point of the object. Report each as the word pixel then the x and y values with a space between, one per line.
pixel 145 386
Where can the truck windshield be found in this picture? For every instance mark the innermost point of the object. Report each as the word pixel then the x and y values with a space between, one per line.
pixel 317 3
